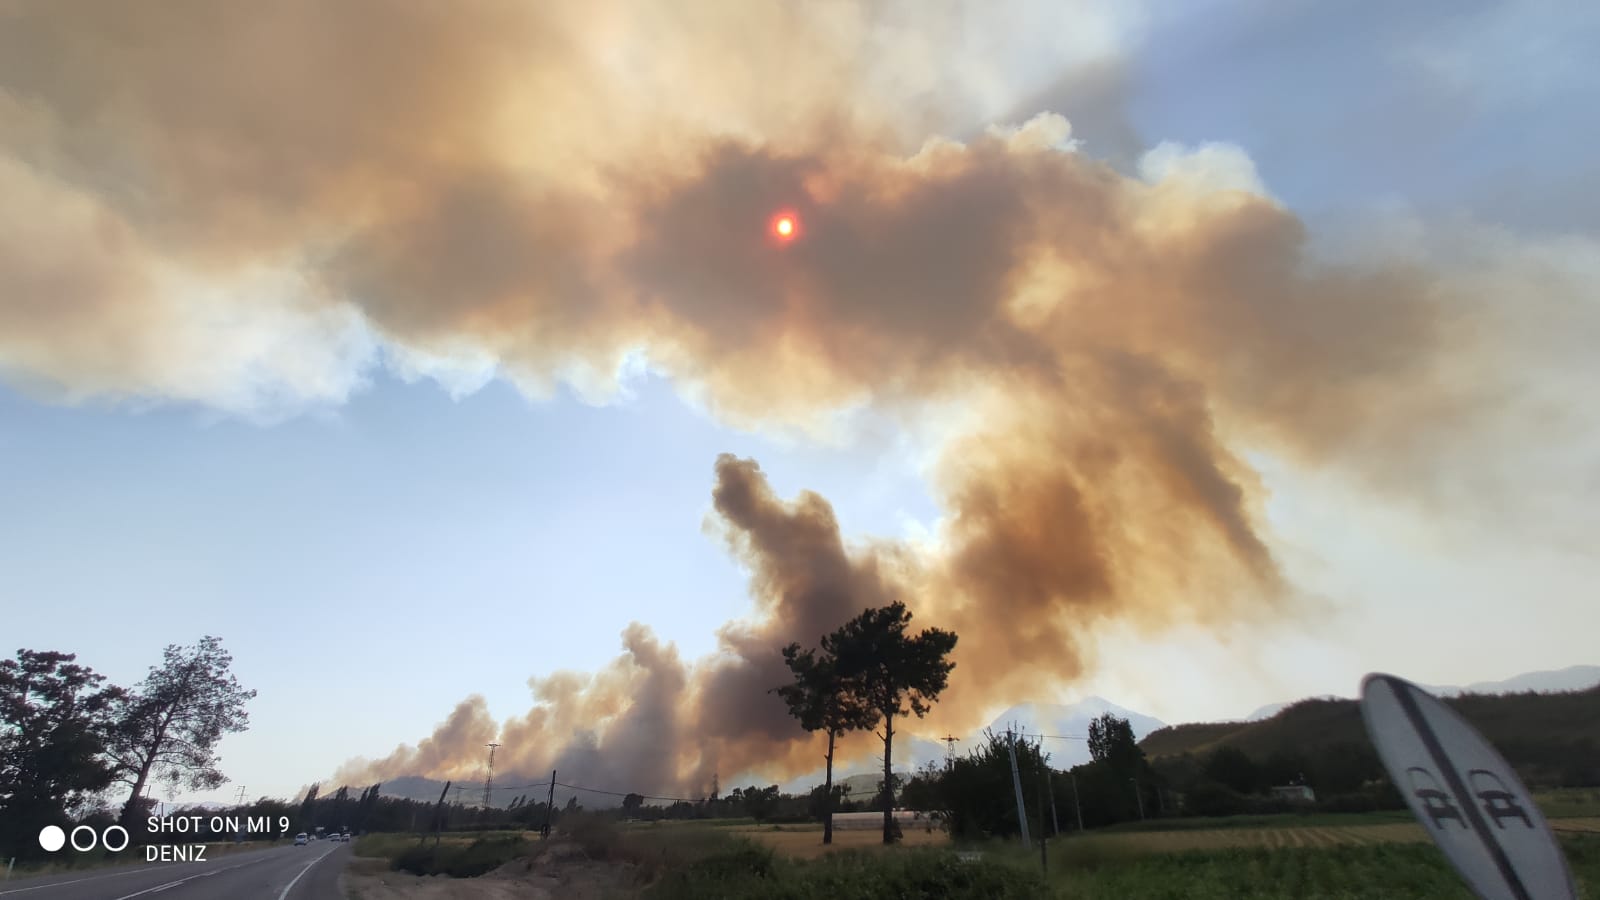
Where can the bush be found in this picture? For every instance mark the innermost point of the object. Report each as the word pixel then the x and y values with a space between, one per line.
pixel 747 875
pixel 1208 798
pixel 597 835
pixel 458 861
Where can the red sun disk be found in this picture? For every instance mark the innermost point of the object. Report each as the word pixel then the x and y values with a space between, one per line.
pixel 784 227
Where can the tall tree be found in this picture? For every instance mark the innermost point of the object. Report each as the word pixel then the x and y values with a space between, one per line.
pixel 54 719
pixel 308 806
pixel 822 700
pixel 1111 740
pixel 173 720
pixel 894 673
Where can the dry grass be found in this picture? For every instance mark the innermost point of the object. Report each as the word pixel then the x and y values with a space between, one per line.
pixel 805 841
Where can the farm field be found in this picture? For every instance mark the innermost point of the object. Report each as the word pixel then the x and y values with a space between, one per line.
pixel 1386 870
pixel 737 860
pixel 805 841
pixel 1333 830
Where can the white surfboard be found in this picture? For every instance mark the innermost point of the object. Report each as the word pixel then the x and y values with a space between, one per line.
pixel 1465 794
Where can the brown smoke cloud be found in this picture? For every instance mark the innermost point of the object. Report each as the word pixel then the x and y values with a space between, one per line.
pixel 235 204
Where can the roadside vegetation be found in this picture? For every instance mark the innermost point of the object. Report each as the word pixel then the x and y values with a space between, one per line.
pixel 1345 857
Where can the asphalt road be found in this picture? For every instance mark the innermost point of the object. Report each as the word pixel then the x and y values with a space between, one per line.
pixel 282 873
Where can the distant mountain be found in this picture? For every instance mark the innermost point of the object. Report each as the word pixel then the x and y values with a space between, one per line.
pixel 1065 727
pixel 1272 709
pixel 1536 731
pixel 1572 678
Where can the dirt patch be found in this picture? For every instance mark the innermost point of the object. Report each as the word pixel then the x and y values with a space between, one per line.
pixel 561 870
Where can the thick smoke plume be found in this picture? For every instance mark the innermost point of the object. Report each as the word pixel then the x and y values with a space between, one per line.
pixel 246 206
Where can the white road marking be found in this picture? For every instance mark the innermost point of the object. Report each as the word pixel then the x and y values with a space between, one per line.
pixel 131 870
pixel 39 887
pixel 290 885
pixel 172 884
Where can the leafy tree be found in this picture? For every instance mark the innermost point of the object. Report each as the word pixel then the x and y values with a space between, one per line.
pixel 893 673
pixel 975 795
pixel 54 717
pixel 822 700
pixel 308 808
pixel 171 723
pixel 758 803
pixel 632 802
pixel 1232 768
pixel 1286 766
pixel 1111 741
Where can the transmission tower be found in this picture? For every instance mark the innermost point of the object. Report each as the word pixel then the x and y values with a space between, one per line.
pixel 488 780
pixel 950 750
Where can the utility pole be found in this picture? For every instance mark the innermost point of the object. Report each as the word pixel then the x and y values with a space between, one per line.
pixel 1055 823
pixel 488 781
pixel 1044 859
pixel 549 807
pixel 238 833
pixel 1138 795
pixel 438 815
pixel 1016 783
pixel 1075 804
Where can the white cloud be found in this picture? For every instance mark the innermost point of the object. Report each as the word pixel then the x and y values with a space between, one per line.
pixel 1211 166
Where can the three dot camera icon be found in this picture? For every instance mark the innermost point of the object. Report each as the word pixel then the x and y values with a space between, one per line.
pixel 83 838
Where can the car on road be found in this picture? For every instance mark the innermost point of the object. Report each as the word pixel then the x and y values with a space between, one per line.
pixel 300 840
pixel 345 837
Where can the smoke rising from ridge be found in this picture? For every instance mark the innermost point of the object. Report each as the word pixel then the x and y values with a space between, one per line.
pixel 240 206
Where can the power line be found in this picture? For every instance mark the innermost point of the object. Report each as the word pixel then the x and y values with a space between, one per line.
pixel 579 787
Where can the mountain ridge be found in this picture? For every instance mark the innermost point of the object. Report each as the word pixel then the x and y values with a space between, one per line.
pixel 1571 678
pixel 1065 727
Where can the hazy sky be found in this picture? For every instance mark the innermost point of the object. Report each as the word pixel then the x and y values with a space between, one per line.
pixel 384 508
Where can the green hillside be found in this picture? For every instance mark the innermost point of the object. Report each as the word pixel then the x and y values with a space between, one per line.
pixel 1550 737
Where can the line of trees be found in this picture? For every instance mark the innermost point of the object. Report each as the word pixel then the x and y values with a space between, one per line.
pixel 975 795
pixel 67 738
pixel 868 673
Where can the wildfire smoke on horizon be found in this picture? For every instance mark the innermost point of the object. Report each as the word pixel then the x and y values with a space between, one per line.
pixel 246 206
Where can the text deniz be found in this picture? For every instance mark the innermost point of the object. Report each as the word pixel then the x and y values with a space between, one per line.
pixel 175 853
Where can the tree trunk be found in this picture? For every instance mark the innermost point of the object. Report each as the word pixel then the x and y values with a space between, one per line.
pixel 129 808
pixel 827 795
pixel 888 779
pixel 144 771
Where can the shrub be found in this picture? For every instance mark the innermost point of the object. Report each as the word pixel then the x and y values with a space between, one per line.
pixel 597 835
pixel 458 861
pixel 1208 798
pixel 748 875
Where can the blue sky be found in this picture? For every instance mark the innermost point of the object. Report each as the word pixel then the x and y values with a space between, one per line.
pixel 372 560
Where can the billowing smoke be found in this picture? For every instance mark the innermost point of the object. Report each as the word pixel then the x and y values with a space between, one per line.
pixel 248 206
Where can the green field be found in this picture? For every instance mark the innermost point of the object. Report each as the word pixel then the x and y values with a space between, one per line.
pixel 1078 871
pixel 1330 856
pixel 1383 870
